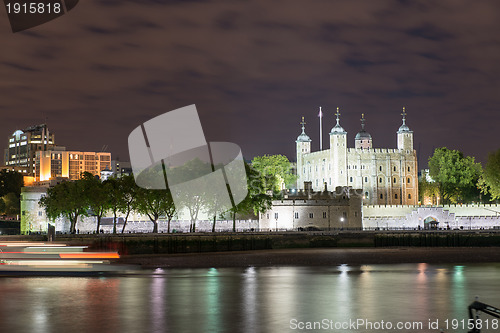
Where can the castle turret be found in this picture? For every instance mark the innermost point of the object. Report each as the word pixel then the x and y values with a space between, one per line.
pixel 303 147
pixel 405 136
pixel 363 139
pixel 338 154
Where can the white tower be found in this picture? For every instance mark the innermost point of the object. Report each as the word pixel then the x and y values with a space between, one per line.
pixel 405 136
pixel 303 147
pixel 338 154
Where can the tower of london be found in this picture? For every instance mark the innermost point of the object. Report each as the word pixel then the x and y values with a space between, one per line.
pixel 388 176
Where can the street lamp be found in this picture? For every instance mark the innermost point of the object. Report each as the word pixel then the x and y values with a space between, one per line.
pixel 342 223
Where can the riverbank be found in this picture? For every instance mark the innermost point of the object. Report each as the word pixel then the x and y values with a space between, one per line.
pixel 317 257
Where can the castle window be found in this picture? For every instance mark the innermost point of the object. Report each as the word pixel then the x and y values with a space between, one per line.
pixel 394 168
pixel 366 195
pixel 408 169
pixel 395 195
pixel 380 180
pixel 381 196
pixel 380 168
pixel 296 215
pixel 409 196
pixel 350 179
pixel 275 216
pixel 366 179
pixel 408 180
pixel 268 216
pixel 324 215
pixel 311 215
pixel 394 180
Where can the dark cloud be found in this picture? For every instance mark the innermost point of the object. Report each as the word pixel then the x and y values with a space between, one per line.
pixel 253 68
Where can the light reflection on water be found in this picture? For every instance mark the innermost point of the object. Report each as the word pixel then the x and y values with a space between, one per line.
pixel 245 299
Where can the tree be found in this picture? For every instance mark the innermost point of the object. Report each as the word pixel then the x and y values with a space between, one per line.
pixel 193 195
pixel 456 176
pixel 153 203
pixel 257 200
pixel 490 180
pixel 11 203
pixel 2 206
pixel 276 170
pixel 128 190
pixel 10 189
pixel 97 195
pixel 427 189
pixel 66 199
pixel 10 182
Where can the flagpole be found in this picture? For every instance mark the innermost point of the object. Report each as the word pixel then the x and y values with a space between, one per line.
pixel 320 129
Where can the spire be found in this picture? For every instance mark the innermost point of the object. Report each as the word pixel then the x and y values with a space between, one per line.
pixel 303 136
pixel 337 129
pixel 404 127
pixel 362 122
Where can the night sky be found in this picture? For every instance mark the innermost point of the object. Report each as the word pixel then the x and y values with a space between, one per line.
pixel 253 68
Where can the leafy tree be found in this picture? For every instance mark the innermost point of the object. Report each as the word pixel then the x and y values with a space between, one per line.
pixel 128 190
pixel 10 182
pixel 456 176
pixel 427 189
pixel 276 170
pixel 192 174
pixel 66 199
pixel 2 206
pixel 11 203
pixel 97 195
pixel 257 200
pixel 490 180
pixel 153 203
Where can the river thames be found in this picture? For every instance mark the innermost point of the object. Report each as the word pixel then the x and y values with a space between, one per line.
pixel 251 299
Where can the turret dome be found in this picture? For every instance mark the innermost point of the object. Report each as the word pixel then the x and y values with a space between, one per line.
pixel 303 137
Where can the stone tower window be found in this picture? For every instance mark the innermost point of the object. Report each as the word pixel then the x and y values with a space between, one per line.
pixel 409 196
pixel 395 195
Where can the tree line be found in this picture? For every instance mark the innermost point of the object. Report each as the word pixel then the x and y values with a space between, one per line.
pixel 88 196
pixel 459 179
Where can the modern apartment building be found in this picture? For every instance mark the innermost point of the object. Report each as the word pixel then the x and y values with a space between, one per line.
pixel 23 145
pixel 69 164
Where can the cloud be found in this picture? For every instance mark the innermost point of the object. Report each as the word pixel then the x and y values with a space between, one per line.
pixel 255 67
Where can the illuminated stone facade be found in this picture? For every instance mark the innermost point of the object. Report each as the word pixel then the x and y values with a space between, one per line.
pixel 386 176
